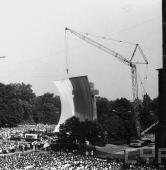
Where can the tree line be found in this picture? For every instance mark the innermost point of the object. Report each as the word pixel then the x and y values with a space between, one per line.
pixel 118 120
pixel 19 104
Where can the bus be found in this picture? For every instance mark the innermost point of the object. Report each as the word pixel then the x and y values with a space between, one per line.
pixel 31 137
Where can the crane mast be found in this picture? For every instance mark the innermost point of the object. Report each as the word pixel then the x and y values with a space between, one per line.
pixel 131 64
pixel 134 82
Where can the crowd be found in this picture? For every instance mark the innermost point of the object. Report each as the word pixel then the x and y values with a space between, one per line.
pixel 55 160
pixel 32 158
pixel 11 147
pixel 13 139
pixel 63 161
pixel 8 132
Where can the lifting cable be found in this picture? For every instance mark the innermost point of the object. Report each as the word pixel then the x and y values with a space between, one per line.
pixel 146 75
pixel 66 53
pixel 142 85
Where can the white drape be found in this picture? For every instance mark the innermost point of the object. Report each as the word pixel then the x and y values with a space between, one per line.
pixel 67 105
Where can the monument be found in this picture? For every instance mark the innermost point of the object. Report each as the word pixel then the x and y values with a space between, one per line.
pixel 78 98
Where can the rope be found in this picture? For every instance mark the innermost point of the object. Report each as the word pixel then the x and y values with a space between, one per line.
pixel 66 52
pixel 142 85
pixel 105 38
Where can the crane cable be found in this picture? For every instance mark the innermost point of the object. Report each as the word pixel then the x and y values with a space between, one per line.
pixel 146 77
pixel 143 88
pixel 105 38
pixel 66 52
pixel 143 84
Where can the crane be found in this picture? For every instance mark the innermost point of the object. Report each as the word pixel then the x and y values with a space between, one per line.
pixel 150 127
pixel 130 63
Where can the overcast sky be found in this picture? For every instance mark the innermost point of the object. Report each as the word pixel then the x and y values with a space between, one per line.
pixel 32 37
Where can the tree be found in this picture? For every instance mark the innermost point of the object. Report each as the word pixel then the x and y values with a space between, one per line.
pixel 123 108
pixel 73 132
pixel 69 132
pixel 14 113
pixel 19 104
pixel 102 108
pixel 117 118
pixel 11 111
pixel 47 109
pixel 145 117
pixel 24 92
pixel 25 96
pixel 93 132
pixel 148 112
pixel 27 111
pixel 154 106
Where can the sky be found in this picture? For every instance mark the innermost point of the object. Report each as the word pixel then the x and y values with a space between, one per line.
pixel 32 37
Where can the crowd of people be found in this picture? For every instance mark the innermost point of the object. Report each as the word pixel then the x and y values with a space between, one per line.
pixel 63 161
pixel 14 139
pixel 55 160
pixel 13 147
pixel 17 155
pixel 21 129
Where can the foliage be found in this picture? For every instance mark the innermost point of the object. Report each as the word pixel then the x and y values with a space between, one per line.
pixel 117 117
pixel 25 96
pixel 148 112
pixel 46 109
pixel 24 92
pixel 18 104
pixel 73 132
pixel 11 111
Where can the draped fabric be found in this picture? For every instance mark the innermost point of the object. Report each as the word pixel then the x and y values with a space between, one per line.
pixel 67 106
pixel 82 98
pixel 76 99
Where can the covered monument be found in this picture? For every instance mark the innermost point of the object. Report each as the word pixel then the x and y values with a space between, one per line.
pixel 77 96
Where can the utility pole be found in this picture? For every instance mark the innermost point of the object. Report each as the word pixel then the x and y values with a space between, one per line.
pixel 160 136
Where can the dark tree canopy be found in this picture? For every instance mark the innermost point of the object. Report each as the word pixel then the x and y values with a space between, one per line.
pixel 148 112
pixel 117 117
pixel 19 104
pixel 11 111
pixel 47 109
pixel 73 132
